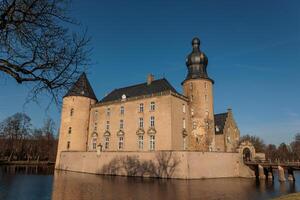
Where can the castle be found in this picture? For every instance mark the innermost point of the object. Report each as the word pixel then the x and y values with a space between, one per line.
pixel 148 117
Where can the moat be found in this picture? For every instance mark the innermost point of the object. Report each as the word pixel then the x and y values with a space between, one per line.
pixel 44 183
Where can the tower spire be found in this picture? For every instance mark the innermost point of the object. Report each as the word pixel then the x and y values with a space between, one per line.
pixel 82 87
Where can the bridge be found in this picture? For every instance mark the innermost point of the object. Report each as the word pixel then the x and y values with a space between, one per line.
pixel 265 169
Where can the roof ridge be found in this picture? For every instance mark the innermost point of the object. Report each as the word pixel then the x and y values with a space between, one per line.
pixel 138 84
pixel 221 113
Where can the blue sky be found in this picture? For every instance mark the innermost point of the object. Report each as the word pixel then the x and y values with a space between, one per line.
pixel 253 48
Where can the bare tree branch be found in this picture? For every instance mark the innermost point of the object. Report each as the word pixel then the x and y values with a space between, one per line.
pixel 36 47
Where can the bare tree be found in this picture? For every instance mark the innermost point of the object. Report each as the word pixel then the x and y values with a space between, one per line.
pixel 37 48
pixel 257 142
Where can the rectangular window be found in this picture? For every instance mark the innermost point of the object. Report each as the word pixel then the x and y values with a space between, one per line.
pixel 96 115
pixel 152 106
pixel 141 109
pixel 71 112
pixel 108 112
pixel 122 110
pixel 121 142
pixel 152 142
pixel 183 108
pixel 95 126
pixel 141 122
pixel 194 125
pixel 70 130
pixel 121 124
pixel 106 143
pixel 152 121
pixel 183 123
pixel 185 143
pixel 68 145
pixel 141 142
pixel 94 143
pixel 107 125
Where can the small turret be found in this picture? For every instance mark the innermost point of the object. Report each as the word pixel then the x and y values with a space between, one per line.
pixel 75 115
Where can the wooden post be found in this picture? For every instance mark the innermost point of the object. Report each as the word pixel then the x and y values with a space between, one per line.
pixel 281 175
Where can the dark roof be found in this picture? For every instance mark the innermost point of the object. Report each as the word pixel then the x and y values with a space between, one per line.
pixel 82 87
pixel 220 120
pixel 156 86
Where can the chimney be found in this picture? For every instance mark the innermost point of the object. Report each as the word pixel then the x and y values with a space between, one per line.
pixel 150 78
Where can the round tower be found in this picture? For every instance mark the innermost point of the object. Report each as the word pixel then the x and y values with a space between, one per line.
pixel 198 87
pixel 75 115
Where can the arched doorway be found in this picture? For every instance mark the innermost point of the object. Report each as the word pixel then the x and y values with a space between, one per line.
pixel 246 154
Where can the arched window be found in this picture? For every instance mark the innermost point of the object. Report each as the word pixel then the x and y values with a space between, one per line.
pixel 141 142
pixel 72 112
pixel 152 142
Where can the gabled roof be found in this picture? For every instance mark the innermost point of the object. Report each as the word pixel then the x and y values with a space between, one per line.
pixel 220 120
pixel 82 87
pixel 156 86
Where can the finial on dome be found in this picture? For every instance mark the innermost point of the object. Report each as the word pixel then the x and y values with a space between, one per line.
pixel 196 42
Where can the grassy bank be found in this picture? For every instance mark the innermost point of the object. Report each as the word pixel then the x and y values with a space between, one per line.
pixel 295 196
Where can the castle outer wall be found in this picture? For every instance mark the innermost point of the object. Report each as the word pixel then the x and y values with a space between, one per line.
pixel 163 164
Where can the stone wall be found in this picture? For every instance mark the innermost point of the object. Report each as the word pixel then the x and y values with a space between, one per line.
pixel 164 164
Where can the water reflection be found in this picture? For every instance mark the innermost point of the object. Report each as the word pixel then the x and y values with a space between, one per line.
pixel 35 183
pixel 27 169
pixel 76 186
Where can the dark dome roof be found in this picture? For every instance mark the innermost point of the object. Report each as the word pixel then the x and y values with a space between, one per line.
pixel 196 63
pixel 196 57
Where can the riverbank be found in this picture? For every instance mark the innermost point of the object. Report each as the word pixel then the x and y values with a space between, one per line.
pixel 295 196
pixel 24 163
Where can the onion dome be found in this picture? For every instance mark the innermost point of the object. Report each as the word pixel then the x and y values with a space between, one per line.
pixel 196 62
